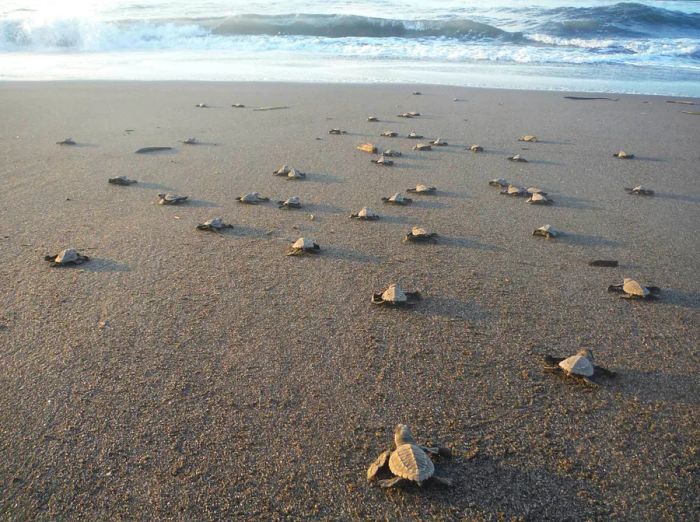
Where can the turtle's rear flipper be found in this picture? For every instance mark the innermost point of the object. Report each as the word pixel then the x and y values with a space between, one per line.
pixel 380 464
pixel 390 483
pixel 442 480
pixel 551 363
pixel 588 381
pixel 604 371
pixel 377 299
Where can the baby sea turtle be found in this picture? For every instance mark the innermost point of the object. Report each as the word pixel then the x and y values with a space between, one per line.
pixel 439 142
pixel 422 189
pixel 251 198
pixel 382 161
pixel 623 155
pixel 69 256
pixel 390 153
pixel 413 136
pixel 535 190
pixel 539 198
pixel 367 147
pixel 121 180
pixel 237 105
pixel 372 118
pixel 579 365
pixel 190 141
pixel 171 199
pixel 476 148
pixel 397 199
pixel 408 462
pixel 528 137
pixel 639 190
pixel 420 235
pixel 295 174
pixel 422 146
pixel 405 115
pixel 202 106
pixel 517 158
pixel 394 295
pixel 365 214
pixel 514 190
pixel 547 231
pixel 336 131
pixel 213 225
pixel 303 246
pixel 293 202
pixel 631 289
pixel 66 141
pixel 282 171
pixel 499 182
pixel 389 134
pixel 416 93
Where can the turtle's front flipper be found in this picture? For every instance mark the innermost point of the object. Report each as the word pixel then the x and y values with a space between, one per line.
pixel 552 363
pixel 616 288
pixel 378 465
pixel 390 483
pixel 588 381
pixel 442 480
pixel 442 451
pixel 604 371
pixel 50 258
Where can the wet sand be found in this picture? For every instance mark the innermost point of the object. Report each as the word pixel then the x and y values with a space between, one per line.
pixel 193 376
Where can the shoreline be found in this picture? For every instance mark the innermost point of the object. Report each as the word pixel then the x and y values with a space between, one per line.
pixel 185 374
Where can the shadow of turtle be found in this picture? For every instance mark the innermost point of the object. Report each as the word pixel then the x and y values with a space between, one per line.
pixel 450 308
pixel 573 202
pixel 427 204
pixel 156 151
pixel 200 203
pixel 346 254
pixel 323 178
pixel 586 239
pixel 325 208
pixel 153 186
pixel 461 242
pixel 99 264
pixel 677 197
pixel 670 296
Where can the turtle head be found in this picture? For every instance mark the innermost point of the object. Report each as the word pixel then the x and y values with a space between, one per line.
pixel 402 435
pixel 587 353
pixel 161 195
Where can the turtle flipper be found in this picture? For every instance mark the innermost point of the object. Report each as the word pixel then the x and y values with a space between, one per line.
pixel 444 481
pixel 604 371
pixel 590 382
pixel 379 464
pixel 50 258
pixel 552 363
pixel 616 288
pixel 203 227
pixel 390 483
pixel 377 299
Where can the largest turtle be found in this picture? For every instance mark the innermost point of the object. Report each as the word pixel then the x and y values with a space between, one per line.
pixel 69 256
pixel 579 365
pixel 407 461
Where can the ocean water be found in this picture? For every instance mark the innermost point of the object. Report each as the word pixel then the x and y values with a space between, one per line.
pixel 650 47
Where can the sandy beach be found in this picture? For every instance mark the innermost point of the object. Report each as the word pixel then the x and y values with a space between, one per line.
pixel 186 375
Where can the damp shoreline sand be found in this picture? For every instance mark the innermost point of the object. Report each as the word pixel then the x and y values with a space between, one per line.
pixel 189 375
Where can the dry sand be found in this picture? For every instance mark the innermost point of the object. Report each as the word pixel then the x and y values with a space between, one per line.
pixel 188 375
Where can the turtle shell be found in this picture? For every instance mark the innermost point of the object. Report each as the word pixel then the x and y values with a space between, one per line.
pixel 372 118
pixel 410 462
pixel 69 255
pixel 304 244
pixel 517 158
pixel 366 213
pixel 538 198
pixel 391 153
pixel 422 146
pixel 499 182
pixel 424 188
pixel 293 201
pixel 514 190
pixel 439 142
pixel 171 199
pixel 417 231
pixel 383 161
pixel 623 155
pixel 394 294
pixel 476 148
pixel 397 198
pixel 632 287
pixel 577 365
pixel 546 231
pixel 367 147
pixel 413 136
pixel 295 174
pixel 282 171
pixel 389 134
pixel 528 137
pixel 190 141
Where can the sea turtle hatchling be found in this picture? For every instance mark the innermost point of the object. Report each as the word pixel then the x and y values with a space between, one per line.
pixel 202 106
pixel 515 191
pixel 389 134
pixel 390 153
pixel 639 190
pixel 406 462
pixel 69 256
pixel 365 214
pixel 190 141
pixel 121 180
pixel 547 231
pixel 623 155
pixel 214 225
pixel 535 190
pixel 405 115
pixel 251 198
pixel 367 147
pixel 499 182
pixel 171 199
pixel 397 199
pixel 295 174
pixel 420 235
pixel 383 161
pixel 413 136
pixel 282 170
pixel 66 141
pixel 538 198
pixel 631 289
pixel 394 295
pixel 292 202
pixel 422 189
pixel 422 146
pixel 237 105
pixel 372 118
pixel 476 148
pixel 529 138
pixel 439 142
pixel 303 246
pixel 517 158
pixel 337 131
pixel 580 366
